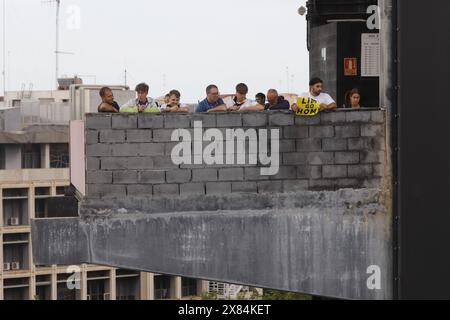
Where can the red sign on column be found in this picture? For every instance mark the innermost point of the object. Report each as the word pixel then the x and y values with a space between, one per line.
pixel 350 66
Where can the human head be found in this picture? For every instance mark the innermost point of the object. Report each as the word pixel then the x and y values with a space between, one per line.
pixel 261 98
pixel 212 93
pixel 316 86
pixel 272 96
pixel 142 91
pixel 107 95
pixel 241 91
pixel 353 98
pixel 174 97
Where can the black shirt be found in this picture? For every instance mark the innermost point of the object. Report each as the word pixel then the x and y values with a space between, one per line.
pixel 281 104
pixel 115 105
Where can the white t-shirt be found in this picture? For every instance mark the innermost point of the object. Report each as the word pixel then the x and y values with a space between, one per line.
pixel 229 102
pixel 321 98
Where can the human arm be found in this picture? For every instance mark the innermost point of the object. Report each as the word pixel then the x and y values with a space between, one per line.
pixel 106 107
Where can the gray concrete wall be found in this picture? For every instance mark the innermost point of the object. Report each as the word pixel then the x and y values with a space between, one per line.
pixel 318 226
pixel 128 156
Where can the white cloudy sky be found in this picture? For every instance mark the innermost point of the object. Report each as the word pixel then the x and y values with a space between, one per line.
pixel 189 43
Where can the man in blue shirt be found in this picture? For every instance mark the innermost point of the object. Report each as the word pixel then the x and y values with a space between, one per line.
pixel 212 103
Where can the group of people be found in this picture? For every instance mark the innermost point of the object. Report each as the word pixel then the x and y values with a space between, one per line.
pixel 214 102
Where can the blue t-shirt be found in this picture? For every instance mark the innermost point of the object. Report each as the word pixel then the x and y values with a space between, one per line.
pixel 204 106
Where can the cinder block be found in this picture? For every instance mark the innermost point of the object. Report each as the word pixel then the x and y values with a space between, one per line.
pixel 92 164
pixel 125 177
pixel 334 144
pixel 126 163
pixel 231 174
pixel 309 145
pixel 281 119
pixel 307 121
pixel 295 132
pixel 350 131
pixel 358 116
pixel 141 191
pixel 168 190
pixel 294 158
pixel 287 146
pixel 309 172
pixel 92 137
pixel 192 189
pixel 99 177
pixel 163 162
pixel 295 185
pixel 177 121
pixel 332 117
pixel 139 135
pixel 270 186
pixel 254 174
pixel 204 175
pixel 98 150
pixel 98 121
pixel 214 188
pixel 178 176
pixel 124 121
pixel 320 158
pixel 373 183
pixel 348 184
pixel 322 185
pixel 112 136
pixel 150 121
pixel 208 119
pixel 152 177
pixel 107 191
pixel 346 158
pixel 254 120
pixel 376 157
pixel 360 171
pixel 285 173
pixel 334 171
pixel 369 144
pixel 229 120
pixel 244 187
pixel 162 135
pixel 151 149
pixel 373 130
pixel 125 150
pixel 321 132
pixel 378 170
pixel 378 116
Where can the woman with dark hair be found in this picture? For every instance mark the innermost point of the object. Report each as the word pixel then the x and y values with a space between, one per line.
pixel 353 99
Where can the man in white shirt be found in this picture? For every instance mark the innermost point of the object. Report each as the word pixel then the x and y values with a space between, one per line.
pixel 315 92
pixel 239 102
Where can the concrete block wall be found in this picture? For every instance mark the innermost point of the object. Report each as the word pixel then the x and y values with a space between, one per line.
pixel 128 156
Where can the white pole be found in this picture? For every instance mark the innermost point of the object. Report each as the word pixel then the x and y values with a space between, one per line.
pixel 58 2
pixel 4 47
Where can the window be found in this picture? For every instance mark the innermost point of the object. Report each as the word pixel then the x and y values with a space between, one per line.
pixel 31 156
pixel 162 287
pixel 188 287
pixel 59 156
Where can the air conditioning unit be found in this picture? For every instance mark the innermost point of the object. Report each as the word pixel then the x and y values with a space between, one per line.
pixel 15 265
pixel 6 266
pixel 106 296
pixel 14 221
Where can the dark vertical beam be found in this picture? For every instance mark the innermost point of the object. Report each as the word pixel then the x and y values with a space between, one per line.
pixel 424 171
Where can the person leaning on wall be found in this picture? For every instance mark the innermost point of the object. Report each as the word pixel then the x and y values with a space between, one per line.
pixel 174 104
pixel 143 103
pixel 352 99
pixel 108 104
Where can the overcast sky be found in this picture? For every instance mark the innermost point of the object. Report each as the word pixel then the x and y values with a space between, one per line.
pixel 182 44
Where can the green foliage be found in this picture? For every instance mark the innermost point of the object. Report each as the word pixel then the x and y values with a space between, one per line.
pixel 281 295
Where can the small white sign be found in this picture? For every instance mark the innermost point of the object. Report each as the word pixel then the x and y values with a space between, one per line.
pixel 370 55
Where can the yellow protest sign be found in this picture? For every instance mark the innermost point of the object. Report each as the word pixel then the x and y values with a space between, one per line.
pixel 307 107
